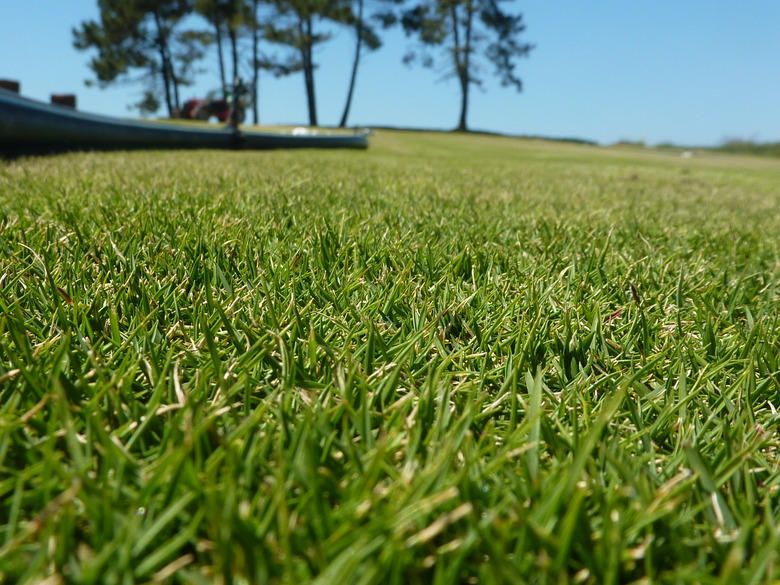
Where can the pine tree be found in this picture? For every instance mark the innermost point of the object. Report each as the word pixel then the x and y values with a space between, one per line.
pixel 470 31
pixel 140 35
pixel 366 37
pixel 298 28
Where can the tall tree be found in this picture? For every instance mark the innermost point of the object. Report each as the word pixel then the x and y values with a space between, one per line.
pixel 471 31
pixel 227 17
pixel 365 36
pixel 137 35
pixel 255 61
pixel 236 17
pixel 261 15
pixel 297 28
pixel 234 20
pixel 210 10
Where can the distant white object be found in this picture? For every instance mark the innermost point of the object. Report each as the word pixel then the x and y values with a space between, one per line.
pixel 301 131
pixel 687 154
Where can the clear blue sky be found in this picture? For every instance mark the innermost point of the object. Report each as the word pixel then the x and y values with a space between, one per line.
pixel 693 72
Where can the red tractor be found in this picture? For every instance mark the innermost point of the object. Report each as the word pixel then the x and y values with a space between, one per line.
pixel 217 104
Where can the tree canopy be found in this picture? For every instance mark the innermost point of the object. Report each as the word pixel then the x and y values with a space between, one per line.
pixel 139 35
pixel 153 42
pixel 470 33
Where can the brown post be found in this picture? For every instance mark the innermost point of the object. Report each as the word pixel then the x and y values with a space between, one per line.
pixel 10 85
pixel 64 99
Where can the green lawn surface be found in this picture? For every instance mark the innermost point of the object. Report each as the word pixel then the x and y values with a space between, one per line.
pixel 449 359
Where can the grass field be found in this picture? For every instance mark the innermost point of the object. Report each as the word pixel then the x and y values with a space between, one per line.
pixel 447 360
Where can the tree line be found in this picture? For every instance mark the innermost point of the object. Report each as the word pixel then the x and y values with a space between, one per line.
pixel 161 43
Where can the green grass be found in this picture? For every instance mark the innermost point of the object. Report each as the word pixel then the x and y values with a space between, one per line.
pixel 448 359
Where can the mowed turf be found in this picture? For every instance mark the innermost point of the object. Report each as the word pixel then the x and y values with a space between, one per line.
pixel 446 360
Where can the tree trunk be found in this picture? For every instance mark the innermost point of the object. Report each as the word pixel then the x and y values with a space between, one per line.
pixel 175 84
pixel 355 64
pixel 255 63
pixel 463 61
pixel 220 53
pixel 308 67
pixel 234 52
pixel 162 46
pixel 234 86
pixel 464 106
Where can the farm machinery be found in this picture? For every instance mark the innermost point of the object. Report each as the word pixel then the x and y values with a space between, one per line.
pixel 218 104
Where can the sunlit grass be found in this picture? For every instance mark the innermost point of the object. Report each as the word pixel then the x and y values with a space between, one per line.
pixel 448 359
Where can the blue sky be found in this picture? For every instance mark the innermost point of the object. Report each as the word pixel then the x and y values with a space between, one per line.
pixel 694 72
